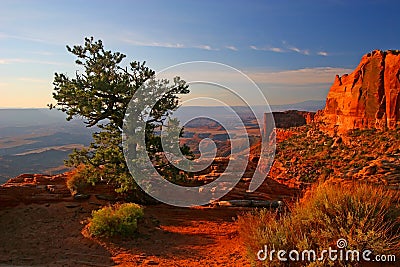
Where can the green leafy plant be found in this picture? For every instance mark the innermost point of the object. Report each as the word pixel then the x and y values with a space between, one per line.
pixel 77 180
pixel 119 219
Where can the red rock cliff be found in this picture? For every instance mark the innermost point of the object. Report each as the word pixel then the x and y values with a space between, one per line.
pixel 369 97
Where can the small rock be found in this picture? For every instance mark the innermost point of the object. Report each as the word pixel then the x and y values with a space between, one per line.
pixel 81 196
pixel 105 197
pixel 50 188
pixel 70 206
pixel 150 262
pixel 96 204
pixel 40 187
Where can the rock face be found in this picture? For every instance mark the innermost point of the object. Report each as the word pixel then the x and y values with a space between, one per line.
pixel 369 97
pixel 291 118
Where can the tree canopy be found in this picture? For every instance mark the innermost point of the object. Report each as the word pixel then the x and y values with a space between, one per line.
pixel 100 93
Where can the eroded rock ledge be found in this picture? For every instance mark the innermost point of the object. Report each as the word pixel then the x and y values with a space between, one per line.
pixel 367 98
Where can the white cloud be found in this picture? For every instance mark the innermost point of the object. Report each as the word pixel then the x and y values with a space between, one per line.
pixel 287 48
pixel 11 60
pixel 305 76
pixel 154 44
pixel 231 47
pixel 295 49
pixel 168 45
pixel 205 47
pixel 298 77
pixel 24 38
pixel 305 52
pixel 282 86
pixel 268 48
pixel 27 60
pixel 276 49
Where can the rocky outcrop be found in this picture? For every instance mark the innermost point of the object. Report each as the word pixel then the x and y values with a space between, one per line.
pixel 392 89
pixel 367 98
pixel 45 189
pixel 34 188
pixel 292 118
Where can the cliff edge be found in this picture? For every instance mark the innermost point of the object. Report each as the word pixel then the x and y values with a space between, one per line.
pixel 367 98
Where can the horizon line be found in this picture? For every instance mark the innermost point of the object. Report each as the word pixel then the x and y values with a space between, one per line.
pixel 292 103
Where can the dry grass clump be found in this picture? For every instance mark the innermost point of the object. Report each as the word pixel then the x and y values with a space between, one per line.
pixel 365 216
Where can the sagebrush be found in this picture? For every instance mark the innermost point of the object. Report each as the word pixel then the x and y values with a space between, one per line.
pixel 118 219
pixel 366 216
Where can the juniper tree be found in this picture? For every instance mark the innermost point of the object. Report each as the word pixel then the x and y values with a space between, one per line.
pixel 100 93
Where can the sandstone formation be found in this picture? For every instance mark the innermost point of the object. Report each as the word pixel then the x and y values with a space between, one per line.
pixel 34 188
pixel 292 118
pixel 45 189
pixel 367 98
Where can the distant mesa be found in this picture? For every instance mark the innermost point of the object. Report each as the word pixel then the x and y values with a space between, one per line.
pixel 367 98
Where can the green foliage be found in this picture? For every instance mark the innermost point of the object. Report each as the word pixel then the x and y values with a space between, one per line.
pixel 77 181
pixel 100 93
pixel 364 215
pixel 120 219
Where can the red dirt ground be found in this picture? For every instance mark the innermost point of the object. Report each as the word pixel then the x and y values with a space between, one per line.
pixel 54 235
pixel 42 225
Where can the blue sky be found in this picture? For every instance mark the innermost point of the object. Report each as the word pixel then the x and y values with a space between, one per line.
pixel 291 49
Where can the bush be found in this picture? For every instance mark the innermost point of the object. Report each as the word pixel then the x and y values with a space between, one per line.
pixel 77 181
pixel 119 219
pixel 365 216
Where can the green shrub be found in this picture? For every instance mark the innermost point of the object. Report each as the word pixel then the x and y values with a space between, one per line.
pixel 77 180
pixel 119 219
pixel 365 216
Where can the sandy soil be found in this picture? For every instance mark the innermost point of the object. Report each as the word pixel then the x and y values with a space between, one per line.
pixel 54 235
